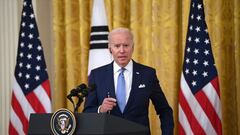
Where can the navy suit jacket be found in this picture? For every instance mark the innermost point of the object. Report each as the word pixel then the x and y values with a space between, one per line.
pixel 145 86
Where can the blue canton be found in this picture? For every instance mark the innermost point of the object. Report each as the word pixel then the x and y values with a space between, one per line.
pixel 30 69
pixel 198 68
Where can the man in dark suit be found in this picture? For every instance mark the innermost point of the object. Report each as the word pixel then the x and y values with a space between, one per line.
pixel 127 96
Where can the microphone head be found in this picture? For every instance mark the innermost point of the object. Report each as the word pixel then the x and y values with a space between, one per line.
pixel 79 88
pixel 82 86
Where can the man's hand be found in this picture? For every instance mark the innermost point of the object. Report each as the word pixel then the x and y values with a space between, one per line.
pixel 107 105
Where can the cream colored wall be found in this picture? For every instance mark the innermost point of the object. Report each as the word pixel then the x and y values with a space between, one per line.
pixel 10 11
pixel 8 44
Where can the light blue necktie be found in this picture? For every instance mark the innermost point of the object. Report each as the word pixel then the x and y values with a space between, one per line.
pixel 121 90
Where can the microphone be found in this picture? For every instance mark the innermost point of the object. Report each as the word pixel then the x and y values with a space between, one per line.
pixel 83 93
pixel 75 93
pixel 78 89
pixel 80 92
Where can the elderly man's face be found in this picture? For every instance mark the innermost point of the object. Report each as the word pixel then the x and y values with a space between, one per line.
pixel 121 47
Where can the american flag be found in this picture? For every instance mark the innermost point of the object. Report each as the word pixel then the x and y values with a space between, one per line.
pixel 99 54
pixel 199 95
pixel 31 88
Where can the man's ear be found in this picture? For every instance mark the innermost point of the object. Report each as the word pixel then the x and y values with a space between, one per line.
pixel 110 49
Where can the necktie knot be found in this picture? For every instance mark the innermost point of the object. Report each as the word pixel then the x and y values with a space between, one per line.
pixel 122 72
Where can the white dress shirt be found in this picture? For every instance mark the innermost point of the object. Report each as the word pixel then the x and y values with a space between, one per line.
pixel 127 75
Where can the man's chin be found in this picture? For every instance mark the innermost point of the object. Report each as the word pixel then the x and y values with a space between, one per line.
pixel 123 63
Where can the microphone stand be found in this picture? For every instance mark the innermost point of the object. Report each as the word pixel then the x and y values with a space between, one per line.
pixel 83 93
pixel 80 100
pixel 69 97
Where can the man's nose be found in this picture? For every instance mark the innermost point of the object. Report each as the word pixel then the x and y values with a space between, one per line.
pixel 121 48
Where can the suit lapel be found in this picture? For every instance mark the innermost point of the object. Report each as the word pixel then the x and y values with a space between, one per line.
pixel 109 81
pixel 136 79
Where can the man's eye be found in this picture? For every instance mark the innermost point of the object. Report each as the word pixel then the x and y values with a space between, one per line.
pixel 117 45
pixel 125 45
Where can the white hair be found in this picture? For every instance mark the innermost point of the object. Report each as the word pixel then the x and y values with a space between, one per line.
pixel 121 30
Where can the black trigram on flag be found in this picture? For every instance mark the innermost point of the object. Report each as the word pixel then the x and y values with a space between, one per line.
pixel 99 37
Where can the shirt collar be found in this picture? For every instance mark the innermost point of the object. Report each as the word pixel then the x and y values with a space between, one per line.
pixel 128 67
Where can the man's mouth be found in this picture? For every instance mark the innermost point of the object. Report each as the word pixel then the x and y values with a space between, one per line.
pixel 122 57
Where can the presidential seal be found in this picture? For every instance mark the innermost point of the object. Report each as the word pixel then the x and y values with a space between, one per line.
pixel 63 122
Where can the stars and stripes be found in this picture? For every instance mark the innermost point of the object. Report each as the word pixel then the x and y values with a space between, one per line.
pixel 99 54
pixel 199 95
pixel 31 88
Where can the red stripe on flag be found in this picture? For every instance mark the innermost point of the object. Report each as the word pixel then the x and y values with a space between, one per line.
pixel 46 87
pixel 215 84
pixel 35 103
pixel 19 112
pixel 180 129
pixel 195 126
pixel 11 130
pixel 209 111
